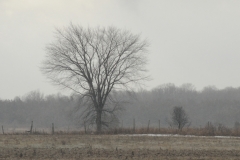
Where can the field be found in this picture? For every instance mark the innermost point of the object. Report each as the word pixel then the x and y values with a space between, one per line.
pixel 67 146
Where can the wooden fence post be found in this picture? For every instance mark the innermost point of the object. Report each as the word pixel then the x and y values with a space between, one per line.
pixel 133 125
pixel 52 128
pixel 148 126
pixel 2 130
pixel 158 126
pixel 31 128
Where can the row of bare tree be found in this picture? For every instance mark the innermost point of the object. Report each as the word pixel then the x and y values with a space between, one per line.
pixel 209 105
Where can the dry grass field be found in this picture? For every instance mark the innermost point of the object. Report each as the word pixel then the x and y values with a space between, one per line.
pixel 92 147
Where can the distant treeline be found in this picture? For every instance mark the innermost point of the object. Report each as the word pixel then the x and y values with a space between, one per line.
pixel 209 105
pixel 42 110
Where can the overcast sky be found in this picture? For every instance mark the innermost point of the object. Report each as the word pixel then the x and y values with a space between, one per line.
pixel 191 41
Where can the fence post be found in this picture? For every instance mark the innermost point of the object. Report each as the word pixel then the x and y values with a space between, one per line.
pixel 52 128
pixel 31 128
pixel 148 126
pixel 159 126
pixel 2 130
pixel 133 125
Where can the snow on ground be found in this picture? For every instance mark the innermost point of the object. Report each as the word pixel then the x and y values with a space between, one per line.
pixel 178 135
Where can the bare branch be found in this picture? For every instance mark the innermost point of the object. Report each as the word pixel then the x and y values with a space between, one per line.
pixel 94 61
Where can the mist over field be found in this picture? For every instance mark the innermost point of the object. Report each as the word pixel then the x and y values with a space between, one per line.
pixel 219 106
pixel 190 41
pixel 119 79
pixel 187 41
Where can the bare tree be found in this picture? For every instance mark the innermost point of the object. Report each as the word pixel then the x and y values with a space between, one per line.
pixel 179 118
pixel 94 61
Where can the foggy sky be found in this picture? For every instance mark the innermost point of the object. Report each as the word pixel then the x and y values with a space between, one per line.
pixel 190 41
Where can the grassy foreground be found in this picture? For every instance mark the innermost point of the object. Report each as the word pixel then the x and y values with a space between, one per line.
pixel 117 147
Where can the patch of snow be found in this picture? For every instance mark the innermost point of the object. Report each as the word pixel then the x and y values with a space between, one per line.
pixel 178 135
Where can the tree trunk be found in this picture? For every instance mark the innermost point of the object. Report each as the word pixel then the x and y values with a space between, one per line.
pixel 99 121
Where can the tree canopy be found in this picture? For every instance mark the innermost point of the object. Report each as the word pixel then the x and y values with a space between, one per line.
pixel 94 61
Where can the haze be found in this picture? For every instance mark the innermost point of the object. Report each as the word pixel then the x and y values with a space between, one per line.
pixel 190 41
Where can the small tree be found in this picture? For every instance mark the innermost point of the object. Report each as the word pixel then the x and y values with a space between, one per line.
pixel 179 118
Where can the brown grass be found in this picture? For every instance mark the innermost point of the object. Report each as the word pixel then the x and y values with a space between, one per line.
pixel 117 147
pixel 208 130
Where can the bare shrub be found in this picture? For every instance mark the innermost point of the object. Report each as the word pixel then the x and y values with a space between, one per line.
pixel 209 129
pixel 236 128
pixel 179 118
pixel 223 130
